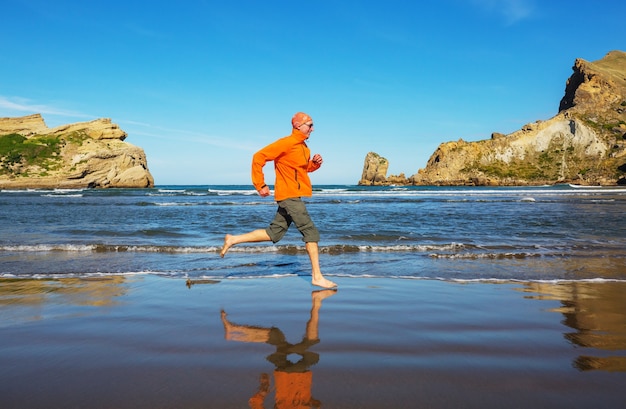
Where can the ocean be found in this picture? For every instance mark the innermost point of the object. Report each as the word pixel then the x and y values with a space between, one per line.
pixel 447 297
pixel 501 234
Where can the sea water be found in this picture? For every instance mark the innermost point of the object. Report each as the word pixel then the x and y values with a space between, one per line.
pixel 551 233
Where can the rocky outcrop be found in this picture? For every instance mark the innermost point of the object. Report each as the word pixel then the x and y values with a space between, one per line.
pixel 400 179
pixel 374 170
pixel 585 143
pixel 80 155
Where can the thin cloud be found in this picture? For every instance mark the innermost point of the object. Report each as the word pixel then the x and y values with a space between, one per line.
pixel 23 105
pixel 186 136
pixel 511 10
pixel 16 106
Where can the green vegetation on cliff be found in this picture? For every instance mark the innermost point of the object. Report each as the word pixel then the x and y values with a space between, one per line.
pixel 74 156
pixel 16 151
pixel 43 152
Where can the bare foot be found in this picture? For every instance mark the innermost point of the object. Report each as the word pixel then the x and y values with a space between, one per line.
pixel 323 282
pixel 227 245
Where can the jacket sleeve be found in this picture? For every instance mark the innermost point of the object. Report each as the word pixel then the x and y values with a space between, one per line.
pixel 312 167
pixel 259 159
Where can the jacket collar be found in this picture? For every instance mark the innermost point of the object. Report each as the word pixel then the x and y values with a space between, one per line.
pixel 299 135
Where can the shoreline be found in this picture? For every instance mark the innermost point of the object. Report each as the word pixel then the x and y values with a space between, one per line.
pixel 147 341
pixel 42 184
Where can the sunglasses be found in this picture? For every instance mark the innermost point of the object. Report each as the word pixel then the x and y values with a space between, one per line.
pixel 309 125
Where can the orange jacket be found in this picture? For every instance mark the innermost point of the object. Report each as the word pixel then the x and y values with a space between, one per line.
pixel 292 164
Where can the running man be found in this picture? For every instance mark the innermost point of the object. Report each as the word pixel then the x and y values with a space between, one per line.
pixel 292 164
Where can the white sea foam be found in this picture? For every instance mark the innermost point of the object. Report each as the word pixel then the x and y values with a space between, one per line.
pixel 228 192
pixel 59 190
pixel 473 192
pixel 48 247
pixel 171 190
pixel 174 204
pixel 62 195
pixel 290 274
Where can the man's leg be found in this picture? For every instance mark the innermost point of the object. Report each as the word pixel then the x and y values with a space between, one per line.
pixel 310 235
pixel 251 237
pixel 316 273
pixel 276 230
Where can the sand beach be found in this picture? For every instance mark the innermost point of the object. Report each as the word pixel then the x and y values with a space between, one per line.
pixel 154 342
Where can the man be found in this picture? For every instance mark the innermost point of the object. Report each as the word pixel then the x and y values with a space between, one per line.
pixel 292 164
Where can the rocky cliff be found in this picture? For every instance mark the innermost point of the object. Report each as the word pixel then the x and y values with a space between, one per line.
pixel 585 143
pixel 81 155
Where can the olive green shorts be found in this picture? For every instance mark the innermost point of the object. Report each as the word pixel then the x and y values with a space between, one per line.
pixel 292 210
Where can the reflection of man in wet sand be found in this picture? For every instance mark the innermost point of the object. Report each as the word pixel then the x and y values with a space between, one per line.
pixel 292 381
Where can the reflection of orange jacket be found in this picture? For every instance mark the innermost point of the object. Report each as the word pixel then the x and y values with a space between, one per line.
pixel 293 390
pixel 292 163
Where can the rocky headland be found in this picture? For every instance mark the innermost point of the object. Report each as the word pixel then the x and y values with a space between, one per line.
pixel 80 155
pixel 584 143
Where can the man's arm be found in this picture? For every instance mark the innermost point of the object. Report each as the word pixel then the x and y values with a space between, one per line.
pixel 315 163
pixel 259 159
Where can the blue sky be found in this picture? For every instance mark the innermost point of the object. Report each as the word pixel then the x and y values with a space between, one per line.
pixel 202 85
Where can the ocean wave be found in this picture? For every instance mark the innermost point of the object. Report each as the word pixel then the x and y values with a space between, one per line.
pixel 177 192
pixel 172 191
pixel 351 195
pixel 217 278
pixel 282 249
pixel 63 195
pixel 171 204
pixel 199 203
pixel 106 248
pixel 232 192
pixel 492 256
pixel 444 250
pixel 28 248
pixel 525 192
pixel 409 191
pixel 493 280
pixel 58 190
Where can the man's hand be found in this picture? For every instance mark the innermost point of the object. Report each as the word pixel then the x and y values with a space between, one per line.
pixel 264 191
pixel 317 159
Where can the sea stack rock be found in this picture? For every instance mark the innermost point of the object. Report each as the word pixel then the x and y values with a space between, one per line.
pixel 374 170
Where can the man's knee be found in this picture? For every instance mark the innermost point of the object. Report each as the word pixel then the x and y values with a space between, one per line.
pixel 310 234
pixel 275 233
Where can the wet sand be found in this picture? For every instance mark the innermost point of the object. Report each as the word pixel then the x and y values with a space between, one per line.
pixel 150 342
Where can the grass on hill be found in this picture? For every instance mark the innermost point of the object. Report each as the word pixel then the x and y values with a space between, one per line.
pixel 19 154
